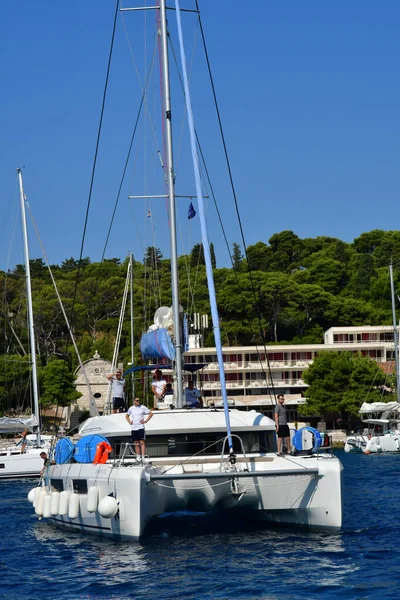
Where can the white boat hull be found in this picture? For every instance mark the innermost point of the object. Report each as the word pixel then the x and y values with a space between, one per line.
pixel 295 490
pixel 388 442
pixel 14 465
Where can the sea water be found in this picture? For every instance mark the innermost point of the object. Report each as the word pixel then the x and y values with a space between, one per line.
pixel 208 557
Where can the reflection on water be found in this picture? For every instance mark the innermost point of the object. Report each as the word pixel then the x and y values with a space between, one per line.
pixel 92 553
pixel 172 542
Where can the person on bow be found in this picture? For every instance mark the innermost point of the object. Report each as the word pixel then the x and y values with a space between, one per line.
pixel 136 418
pixel 282 427
pixel 118 391
pixel 23 441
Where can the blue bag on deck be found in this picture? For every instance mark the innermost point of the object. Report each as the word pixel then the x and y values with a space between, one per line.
pixel 85 448
pixel 64 451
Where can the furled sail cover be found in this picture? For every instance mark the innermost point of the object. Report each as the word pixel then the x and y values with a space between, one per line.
pixel 157 344
pixel 380 407
pixel 16 424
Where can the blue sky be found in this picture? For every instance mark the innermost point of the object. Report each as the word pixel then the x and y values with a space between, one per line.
pixel 309 94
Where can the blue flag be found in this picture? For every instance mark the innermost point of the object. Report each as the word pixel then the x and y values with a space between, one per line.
pixel 191 212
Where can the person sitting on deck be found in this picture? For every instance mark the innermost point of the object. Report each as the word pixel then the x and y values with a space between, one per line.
pixel 168 391
pixel 193 396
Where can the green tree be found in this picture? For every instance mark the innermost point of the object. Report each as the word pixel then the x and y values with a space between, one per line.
pixel 328 273
pixel 258 257
pixel 339 382
pixel 153 257
pixel 287 251
pixel 383 245
pixel 71 264
pixel 197 256
pixel 57 383
pixel 308 307
pixel 213 258
pixel 14 383
pixel 362 270
pixel 37 267
pixel 275 294
pixel 237 257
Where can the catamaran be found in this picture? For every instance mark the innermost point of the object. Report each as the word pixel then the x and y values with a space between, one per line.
pixel 206 459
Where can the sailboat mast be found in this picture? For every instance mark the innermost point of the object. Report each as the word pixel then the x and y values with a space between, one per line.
pixel 171 205
pixel 30 308
pixel 395 333
pixel 132 323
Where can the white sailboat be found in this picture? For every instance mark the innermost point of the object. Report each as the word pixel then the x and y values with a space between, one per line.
pixel 382 419
pixel 15 464
pixel 199 459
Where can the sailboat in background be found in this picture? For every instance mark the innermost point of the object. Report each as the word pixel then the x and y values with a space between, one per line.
pixel 198 459
pixel 15 464
pixel 381 418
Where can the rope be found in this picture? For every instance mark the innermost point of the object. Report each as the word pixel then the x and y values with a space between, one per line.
pixel 174 487
pixel 93 169
pixel 193 455
pixel 93 407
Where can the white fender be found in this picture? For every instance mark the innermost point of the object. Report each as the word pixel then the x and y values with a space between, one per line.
pixel 92 498
pixel 63 504
pixel 36 497
pixel 31 495
pixel 108 507
pixel 73 509
pixel 55 503
pixel 39 501
pixel 46 506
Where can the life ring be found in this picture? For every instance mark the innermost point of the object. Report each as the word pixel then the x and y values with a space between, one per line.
pixel 298 439
pixel 102 451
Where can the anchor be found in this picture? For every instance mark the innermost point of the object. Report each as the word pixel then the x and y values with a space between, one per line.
pixel 235 490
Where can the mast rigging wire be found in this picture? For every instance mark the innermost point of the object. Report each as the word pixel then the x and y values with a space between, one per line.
pixel 94 162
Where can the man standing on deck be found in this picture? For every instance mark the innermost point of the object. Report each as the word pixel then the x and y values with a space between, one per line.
pixel 282 428
pixel 135 418
pixel 158 386
pixel 118 390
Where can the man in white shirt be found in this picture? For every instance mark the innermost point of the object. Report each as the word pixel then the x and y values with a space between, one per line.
pixel 158 386
pixel 118 390
pixel 192 396
pixel 135 417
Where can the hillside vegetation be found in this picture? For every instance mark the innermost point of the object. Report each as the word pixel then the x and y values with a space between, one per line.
pixel 297 289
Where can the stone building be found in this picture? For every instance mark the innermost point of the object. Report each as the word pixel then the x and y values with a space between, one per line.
pixel 96 370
